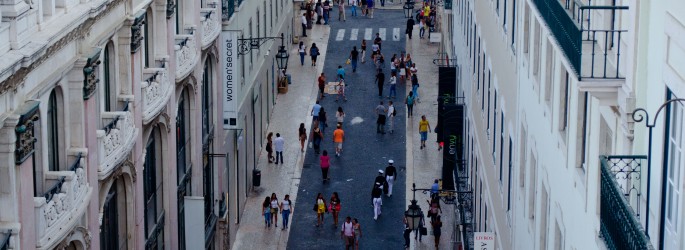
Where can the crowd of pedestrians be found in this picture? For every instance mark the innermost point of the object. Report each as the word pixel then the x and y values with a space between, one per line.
pixel 402 70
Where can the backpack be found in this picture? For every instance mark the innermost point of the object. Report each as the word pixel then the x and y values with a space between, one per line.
pixel 394 112
pixel 410 100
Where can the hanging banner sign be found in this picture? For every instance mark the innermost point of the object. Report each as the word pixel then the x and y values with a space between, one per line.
pixel 483 240
pixel 229 78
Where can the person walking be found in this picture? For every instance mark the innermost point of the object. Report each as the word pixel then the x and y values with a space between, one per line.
pixel 378 41
pixel 326 11
pixel 412 71
pixel 320 209
pixel 266 211
pixel 381 179
pixel 270 147
pixel 340 88
pixel 286 207
pixel 347 233
pixel 322 85
pixel 273 205
pixel 393 86
pixel 325 163
pixel 407 232
pixel 422 28
pixel 319 11
pixel 403 69
pixel 340 115
pixel 370 5
pixel 341 10
pixel 377 194
pixel 363 49
pixel 316 109
pixel 317 137
pixel 390 176
pixel 380 80
pixel 314 52
pixel 424 129
pixel 323 120
pixel 417 230
pixel 302 131
pixel 353 7
pixel 278 146
pixel 415 87
pixel 341 73
pixel 302 50
pixel 391 116
pixel 354 55
pixel 410 27
pixel 357 233
pixel 380 122
pixel 334 207
pixel 364 7
pixel 303 20
pixel 338 138
pixel 437 225
pixel 410 104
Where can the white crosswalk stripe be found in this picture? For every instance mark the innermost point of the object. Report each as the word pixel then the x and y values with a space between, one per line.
pixel 381 32
pixel 341 35
pixel 353 34
pixel 396 34
pixel 367 34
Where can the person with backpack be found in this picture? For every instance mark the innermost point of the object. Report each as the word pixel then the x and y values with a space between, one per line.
pixel 410 103
pixel 415 87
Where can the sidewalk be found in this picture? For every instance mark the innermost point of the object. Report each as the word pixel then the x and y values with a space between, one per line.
pixel 425 165
pixel 290 110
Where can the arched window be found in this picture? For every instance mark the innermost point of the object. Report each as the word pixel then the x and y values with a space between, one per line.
pixel 113 234
pixel 179 17
pixel 182 162
pixel 148 35
pixel 53 133
pixel 207 118
pixel 153 193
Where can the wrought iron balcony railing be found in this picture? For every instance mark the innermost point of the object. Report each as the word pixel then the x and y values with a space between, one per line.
pixel 115 140
pixel 593 49
pixel 620 199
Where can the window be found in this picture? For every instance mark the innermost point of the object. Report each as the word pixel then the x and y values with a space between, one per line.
pixel 511 163
pixel 265 18
pixel 532 188
pixel 271 8
pixel 113 234
pixel 480 204
pixel 179 16
pixel 536 51
pixel 183 163
pixel 488 108
pixel 523 155
pixel 476 69
pixel 674 159
pixel 485 222
pixel 207 102
pixel 526 28
pixel 544 210
pixel 582 116
pixel 504 13
pixel 549 75
pixel 153 194
pixel 497 7
pixel 108 71
pixel 494 131
pixel 563 101
pixel 513 23
pixel 147 37
pixel 207 125
pixel 53 133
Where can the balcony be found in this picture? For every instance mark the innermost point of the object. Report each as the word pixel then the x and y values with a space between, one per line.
pixel 620 203
pixel 592 48
pixel 157 90
pixel 186 55
pixel 211 26
pixel 63 205
pixel 115 140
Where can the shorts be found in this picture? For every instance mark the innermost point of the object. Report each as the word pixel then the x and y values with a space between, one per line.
pixel 424 135
pixel 274 210
pixel 338 145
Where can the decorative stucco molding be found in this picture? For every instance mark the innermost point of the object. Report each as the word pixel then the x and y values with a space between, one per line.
pixel 157 90
pixel 115 141
pixel 137 33
pixel 90 78
pixel 26 138
pixel 186 55
pixel 211 26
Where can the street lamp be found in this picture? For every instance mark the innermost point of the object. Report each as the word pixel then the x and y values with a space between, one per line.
pixel 282 58
pixel 408 8
pixel 413 214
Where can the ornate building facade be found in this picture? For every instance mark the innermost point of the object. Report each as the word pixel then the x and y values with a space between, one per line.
pixel 110 126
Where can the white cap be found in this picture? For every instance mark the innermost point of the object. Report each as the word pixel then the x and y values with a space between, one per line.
pixel 380 171
pixel 391 161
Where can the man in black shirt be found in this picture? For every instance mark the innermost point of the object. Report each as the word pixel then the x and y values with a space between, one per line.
pixel 390 176
pixel 380 79
pixel 376 195
pixel 410 27
pixel 354 55
pixel 378 41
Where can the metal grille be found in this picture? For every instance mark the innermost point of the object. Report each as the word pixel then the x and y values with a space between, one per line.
pixel 620 228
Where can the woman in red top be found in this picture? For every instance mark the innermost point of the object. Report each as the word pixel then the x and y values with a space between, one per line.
pixel 325 164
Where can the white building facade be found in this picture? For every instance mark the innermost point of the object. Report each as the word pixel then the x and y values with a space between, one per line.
pixel 110 112
pixel 557 160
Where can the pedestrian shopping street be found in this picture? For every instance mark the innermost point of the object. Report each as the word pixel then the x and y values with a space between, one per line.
pixel 364 151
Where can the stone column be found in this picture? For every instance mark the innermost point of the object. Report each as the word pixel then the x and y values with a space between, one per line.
pixel 8 183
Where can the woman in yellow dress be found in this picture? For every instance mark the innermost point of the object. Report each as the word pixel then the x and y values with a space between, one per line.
pixel 320 208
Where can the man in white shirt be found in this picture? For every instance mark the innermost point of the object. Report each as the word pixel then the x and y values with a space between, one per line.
pixel 391 116
pixel 353 7
pixel 304 24
pixel 347 233
pixel 278 146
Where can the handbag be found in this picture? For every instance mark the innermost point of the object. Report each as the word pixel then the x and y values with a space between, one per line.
pixel 315 207
pixel 423 230
pixel 348 61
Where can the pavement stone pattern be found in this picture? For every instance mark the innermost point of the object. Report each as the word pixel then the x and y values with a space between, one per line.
pixel 364 151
